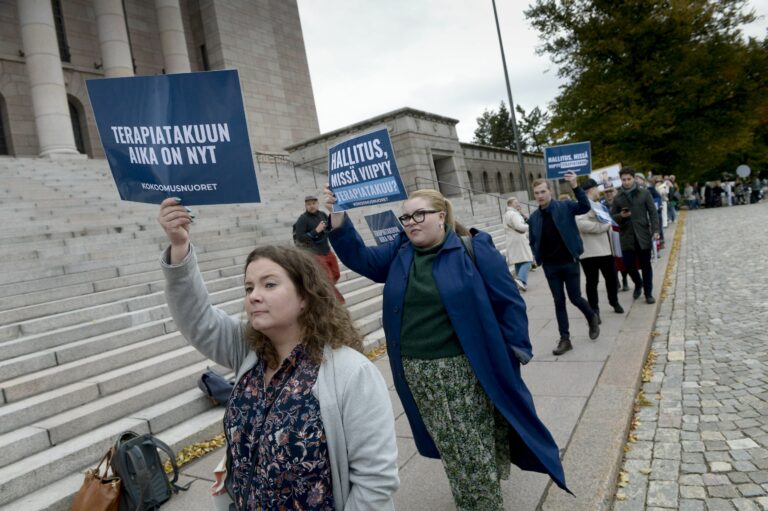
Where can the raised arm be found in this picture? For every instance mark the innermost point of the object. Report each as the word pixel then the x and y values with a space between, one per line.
pixel 370 262
pixel 210 330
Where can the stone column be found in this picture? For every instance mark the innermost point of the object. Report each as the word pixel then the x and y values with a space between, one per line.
pixel 113 38
pixel 172 39
pixel 46 79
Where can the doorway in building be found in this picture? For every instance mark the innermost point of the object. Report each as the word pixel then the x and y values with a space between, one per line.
pixel 445 170
pixel 77 116
pixel 5 133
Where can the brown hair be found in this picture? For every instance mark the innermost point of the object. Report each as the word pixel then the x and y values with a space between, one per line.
pixel 540 181
pixel 438 201
pixel 627 171
pixel 324 321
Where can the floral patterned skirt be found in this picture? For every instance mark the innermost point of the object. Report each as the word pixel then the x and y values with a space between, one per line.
pixel 469 432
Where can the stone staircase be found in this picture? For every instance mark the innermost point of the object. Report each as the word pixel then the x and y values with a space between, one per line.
pixel 87 346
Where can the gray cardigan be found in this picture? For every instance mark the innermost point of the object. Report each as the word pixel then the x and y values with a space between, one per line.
pixel 354 402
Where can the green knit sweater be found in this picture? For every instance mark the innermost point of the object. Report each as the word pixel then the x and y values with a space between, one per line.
pixel 426 331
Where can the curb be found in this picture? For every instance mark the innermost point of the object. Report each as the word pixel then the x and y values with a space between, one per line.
pixel 594 454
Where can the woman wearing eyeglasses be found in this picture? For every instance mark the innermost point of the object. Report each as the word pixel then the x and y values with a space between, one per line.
pixel 457 332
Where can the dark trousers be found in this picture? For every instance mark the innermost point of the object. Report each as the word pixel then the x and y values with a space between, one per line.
pixel 566 275
pixel 593 267
pixel 631 258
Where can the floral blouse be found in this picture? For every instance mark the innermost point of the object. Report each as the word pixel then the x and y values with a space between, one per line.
pixel 277 445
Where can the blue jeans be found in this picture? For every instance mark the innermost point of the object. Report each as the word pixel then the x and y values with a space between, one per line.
pixel 568 275
pixel 521 271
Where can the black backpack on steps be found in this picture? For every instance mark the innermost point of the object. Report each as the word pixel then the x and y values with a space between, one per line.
pixel 145 485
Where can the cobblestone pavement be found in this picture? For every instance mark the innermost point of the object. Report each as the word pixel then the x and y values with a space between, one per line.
pixel 701 437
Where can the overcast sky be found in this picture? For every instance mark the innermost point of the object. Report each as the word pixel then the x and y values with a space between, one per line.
pixel 367 57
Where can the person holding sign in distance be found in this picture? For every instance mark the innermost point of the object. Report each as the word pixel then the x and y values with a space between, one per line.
pixel 457 334
pixel 309 423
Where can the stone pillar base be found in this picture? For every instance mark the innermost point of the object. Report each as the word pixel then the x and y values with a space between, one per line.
pixel 60 155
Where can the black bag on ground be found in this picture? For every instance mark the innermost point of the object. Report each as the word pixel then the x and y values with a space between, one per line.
pixel 145 485
pixel 215 386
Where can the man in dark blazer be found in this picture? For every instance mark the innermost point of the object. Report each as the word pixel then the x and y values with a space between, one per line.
pixel 635 212
pixel 556 246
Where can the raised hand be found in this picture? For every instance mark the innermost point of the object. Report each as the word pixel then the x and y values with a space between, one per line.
pixel 175 220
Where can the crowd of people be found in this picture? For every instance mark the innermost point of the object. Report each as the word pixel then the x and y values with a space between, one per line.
pixel 715 194
pixel 309 422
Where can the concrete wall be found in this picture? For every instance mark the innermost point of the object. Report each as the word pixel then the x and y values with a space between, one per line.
pixel 495 162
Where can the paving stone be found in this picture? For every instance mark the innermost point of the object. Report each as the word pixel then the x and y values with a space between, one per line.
pixel 691 480
pixel 715 479
pixel 664 470
pixel 667 450
pixel 719 505
pixel 744 443
pixel 662 494
pixel 751 490
pixel 738 477
pixel 744 466
pixel 693 468
pixel 693 492
pixel 691 505
pixel 745 505
pixel 724 491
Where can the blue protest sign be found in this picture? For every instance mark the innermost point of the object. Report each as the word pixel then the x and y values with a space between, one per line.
pixel 179 135
pixel 362 171
pixel 385 226
pixel 560 159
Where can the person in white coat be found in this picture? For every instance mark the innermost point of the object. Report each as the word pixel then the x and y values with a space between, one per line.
pixel 595 229
pixel 518 248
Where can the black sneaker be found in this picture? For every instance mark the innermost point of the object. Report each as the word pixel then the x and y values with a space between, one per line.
pixel 563 345
pixel 594 327
pixel 650 299
pixel 625 287
pixel 638 291
pixel 618 309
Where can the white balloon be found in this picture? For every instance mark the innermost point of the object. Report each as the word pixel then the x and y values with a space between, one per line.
pixel 743 170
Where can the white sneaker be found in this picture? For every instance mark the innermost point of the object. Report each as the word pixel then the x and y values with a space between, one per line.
pixel 520 285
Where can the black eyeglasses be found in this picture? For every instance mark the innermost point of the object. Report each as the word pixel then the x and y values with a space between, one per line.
pixel 417 216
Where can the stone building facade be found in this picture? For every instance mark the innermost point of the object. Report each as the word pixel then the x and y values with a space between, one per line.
pixel 429 155
pixel 49 48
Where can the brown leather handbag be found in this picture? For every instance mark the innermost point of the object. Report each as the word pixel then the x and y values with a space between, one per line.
pixel 99 491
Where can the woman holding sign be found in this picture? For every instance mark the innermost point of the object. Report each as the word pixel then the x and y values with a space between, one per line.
pixel 309 423
pixel 457 333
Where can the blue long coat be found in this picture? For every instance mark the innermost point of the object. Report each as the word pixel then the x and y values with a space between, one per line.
pixel 490 321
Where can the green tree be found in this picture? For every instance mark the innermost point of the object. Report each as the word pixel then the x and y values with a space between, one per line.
pixel 495 129
pixel 666 85
pixel 534 129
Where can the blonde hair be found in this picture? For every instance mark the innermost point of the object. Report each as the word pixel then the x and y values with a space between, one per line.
pixel 438 202
pixel 512 200
pixel 324 321
pixel 540 181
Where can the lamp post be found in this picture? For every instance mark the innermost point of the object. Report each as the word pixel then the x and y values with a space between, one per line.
pixel 511 105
